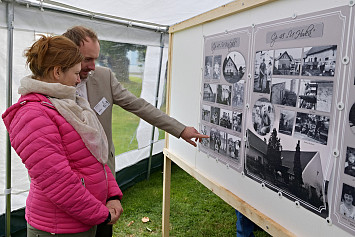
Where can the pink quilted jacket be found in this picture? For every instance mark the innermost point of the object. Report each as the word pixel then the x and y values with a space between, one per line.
pixel 69 187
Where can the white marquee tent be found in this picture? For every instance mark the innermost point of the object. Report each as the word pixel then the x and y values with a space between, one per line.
pixel 141 22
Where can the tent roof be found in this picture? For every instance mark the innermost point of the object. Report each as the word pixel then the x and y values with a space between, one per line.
pixel 162 12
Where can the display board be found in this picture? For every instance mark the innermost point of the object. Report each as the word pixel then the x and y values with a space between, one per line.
pixel 273 86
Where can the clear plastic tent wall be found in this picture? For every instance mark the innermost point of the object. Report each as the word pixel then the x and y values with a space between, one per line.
pixel 31 21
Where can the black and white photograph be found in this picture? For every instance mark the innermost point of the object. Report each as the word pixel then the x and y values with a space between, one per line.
pixel 217 60
pixel 350 161
pixel 287 119
pixel 263 116
pixel 233 147
pixel 312 127
pixel 319 61
pixel 263 71
pixel 215 113
pixel 237 121
pixel 209 92
pixel 293 171
pixel 347 204
pixel 224 94
pixel 238 94
pixel 352 118
pixel 234 67
pixel 288 61
pixel 284 91
pixel 205 130
pixel 315 95
pixel 206 113
pixel 225 119
pixel 218 141
pixel 208 67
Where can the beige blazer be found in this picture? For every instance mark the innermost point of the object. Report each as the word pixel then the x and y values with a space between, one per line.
pixel 102 83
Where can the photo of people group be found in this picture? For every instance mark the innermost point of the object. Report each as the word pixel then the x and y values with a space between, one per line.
pixel 263 116
pixel 347 205
pixel 350 162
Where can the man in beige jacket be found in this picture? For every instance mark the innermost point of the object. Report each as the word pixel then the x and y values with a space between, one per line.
pixel 101 88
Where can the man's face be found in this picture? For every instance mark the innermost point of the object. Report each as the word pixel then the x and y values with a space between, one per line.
pixel 90 50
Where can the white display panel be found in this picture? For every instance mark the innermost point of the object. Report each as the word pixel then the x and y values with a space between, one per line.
pixel 334 22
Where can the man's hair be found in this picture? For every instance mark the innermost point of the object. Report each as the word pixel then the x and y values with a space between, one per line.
pixel 78 34
pixel 51 51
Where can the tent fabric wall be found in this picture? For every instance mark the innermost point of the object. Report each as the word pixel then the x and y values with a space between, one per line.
pixel 27 24
pixel 149 87
pixel 3 22
pixel 58 22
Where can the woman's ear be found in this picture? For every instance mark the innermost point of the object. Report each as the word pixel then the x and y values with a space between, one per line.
pixel 56 73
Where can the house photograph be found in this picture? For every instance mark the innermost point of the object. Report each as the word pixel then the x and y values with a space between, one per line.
pixel 319 61
pixel 287 61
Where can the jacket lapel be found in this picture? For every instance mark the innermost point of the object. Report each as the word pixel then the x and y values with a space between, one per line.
pixel 91 86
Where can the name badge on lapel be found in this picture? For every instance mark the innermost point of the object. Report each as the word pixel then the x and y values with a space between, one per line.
pixel 101 106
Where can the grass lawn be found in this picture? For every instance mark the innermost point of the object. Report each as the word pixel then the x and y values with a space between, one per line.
pixel 194 211
pixel 124 124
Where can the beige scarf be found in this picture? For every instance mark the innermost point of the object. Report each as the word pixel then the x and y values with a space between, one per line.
pixel 76 110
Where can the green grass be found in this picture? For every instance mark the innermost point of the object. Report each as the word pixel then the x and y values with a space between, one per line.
pixel 124 124
pixel 194 211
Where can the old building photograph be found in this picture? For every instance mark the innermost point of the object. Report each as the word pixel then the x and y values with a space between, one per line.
pixel 234 67
pixel 295 172
pixel 287 61
pixel 287 120
pixel 284 91
pixel 209 92
pixel 319 61
pixel 317 95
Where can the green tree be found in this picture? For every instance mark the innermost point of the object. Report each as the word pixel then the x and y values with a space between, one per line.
pixel 114 56
pixel 274 149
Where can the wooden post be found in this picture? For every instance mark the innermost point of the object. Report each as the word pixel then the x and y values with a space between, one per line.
pixel 166 196
pixel 167 161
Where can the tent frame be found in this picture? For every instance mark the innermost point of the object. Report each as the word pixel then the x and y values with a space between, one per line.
pixel 10 28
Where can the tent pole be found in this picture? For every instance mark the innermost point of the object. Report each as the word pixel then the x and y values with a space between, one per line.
pixel 10 20
pixel 156 101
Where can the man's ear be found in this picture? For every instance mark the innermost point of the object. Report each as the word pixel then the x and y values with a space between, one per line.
pixel 57 70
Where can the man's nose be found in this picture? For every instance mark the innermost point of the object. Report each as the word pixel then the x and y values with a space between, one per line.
pixel 91 66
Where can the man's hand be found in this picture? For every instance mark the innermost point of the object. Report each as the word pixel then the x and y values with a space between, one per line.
pixel 191 132
pixel 115 208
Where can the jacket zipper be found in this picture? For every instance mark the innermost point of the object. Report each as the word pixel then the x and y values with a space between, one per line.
pixel 83 182
pixel 106 180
